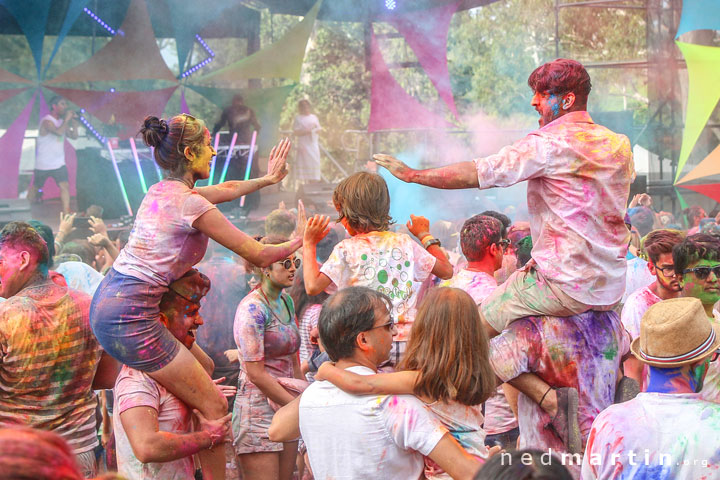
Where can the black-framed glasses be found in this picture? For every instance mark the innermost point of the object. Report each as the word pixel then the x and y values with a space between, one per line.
pixel 287 263
pixel 182 132
pixel 667 271
pixel 704 272
pixel 387 325
pixel 504 243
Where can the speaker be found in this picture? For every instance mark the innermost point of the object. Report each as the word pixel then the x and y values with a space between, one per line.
pixel 13 209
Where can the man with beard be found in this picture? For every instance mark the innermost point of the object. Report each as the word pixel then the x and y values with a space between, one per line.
pixel 658 246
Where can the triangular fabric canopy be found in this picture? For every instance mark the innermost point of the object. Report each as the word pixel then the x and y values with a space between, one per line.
pixel 699 15
pixel 711 190
pixel 267 103
pixel 51 189
pixel 188 18
pixel 282 59
pixel 10 77
pixel 390 105
pixel 11 148
pixel 75 8
pixel 426 32
pixel 31 16
pixel 703 64
pixel 132 55
pixel 709 166
pixel 125 108
pixel 8 94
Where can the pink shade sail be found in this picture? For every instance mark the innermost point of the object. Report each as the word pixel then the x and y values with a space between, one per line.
pixel 391 107
pixel 183 103
pixel 10 77
pixel 11 147
pixel 128 109
pixel 130 55
pixel 10 93
pixel 426 31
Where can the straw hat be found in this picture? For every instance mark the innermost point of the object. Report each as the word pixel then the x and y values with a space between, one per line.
pixel 675 332
pixel 192 286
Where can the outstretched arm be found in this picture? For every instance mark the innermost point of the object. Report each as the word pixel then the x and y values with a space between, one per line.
pixel 234 189
pixel 316 229
pixel 454 176
pixel 216 226
pixel 396 383
pixel 285 426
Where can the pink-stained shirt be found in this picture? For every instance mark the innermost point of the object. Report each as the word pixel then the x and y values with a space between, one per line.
pixel 579 176
pixel 163 244
pixel 655 436
pixel 134 388
pixel 391 263
pixel 499 417
pixel 259 335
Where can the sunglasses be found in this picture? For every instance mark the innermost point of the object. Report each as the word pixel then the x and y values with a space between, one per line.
pixel 714 356
pixel 704 272
pixel 182 132
pixel 504 243
pixel 287 263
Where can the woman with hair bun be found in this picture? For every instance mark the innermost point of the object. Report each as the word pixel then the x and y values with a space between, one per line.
pixel 169 236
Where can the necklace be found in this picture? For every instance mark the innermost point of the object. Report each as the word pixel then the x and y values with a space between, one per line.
pixel 272 312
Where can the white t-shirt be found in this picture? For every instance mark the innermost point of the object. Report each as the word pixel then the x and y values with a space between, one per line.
pixel 655 435
pixel 80 276
pixel 360 437
pixel 711 386
pixel 391 263
pixel 134 388
pixel 50 148
pixel 163 244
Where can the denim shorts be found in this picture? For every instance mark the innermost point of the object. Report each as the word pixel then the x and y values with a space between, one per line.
pixel 125 318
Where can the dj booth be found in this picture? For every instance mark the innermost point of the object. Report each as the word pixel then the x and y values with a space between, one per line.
pixel 97 184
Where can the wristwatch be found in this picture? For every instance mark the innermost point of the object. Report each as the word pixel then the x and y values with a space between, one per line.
pixel 431 241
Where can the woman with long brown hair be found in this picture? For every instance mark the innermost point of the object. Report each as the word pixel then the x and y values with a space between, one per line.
pixel 446 365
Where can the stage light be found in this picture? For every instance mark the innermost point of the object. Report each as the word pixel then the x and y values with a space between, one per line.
pixel 197 67
pixel 91 128
pixel 99 20
pixel 390 4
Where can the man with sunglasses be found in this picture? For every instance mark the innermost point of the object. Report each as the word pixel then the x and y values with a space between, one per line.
pixel 658 246
pixel 697 263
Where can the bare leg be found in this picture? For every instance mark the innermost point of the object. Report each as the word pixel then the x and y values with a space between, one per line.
pixel 186 379
pixel 287 460
pixel 260 466
pixel 65 196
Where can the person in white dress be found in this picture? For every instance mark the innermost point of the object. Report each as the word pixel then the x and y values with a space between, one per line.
pixel 305 128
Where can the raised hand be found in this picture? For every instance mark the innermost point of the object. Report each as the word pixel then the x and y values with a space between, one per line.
pixel 394 166
pixel 316 229
pixel 418 226
pixel 97 225
pixel 301 220
pixel 277 161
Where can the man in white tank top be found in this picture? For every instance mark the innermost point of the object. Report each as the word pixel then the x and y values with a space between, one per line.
pixel 50 151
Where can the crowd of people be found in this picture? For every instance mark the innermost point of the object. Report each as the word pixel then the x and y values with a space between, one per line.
pixel 580 342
